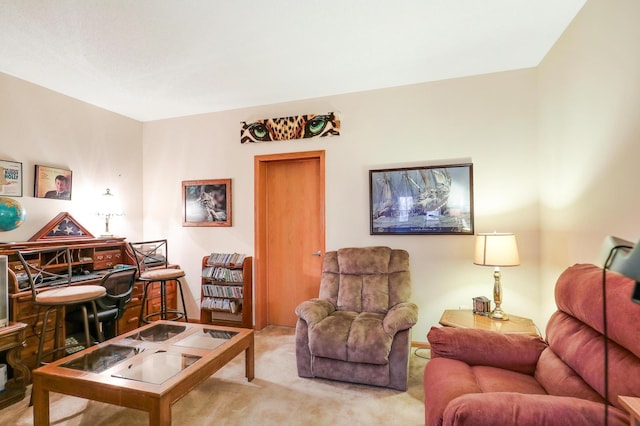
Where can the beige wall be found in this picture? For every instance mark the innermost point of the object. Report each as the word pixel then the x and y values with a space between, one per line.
pixel 589 138
pixel 552 148
pixel 102 149
pixel 489 120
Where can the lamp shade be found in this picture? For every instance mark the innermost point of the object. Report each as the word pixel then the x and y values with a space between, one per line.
pixel 109 205
pixel 496 249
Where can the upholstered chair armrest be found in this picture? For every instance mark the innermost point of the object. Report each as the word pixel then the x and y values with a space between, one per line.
pixel 314 310
pixel 400 317
pixel 516 352
pixel 505 408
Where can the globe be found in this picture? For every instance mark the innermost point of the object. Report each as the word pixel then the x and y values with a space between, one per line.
pixel 12 214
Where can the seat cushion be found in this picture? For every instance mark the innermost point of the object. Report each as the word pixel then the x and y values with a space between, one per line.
pixel 447 379
pixel 162 274
pixel 351 336
pixel 72 294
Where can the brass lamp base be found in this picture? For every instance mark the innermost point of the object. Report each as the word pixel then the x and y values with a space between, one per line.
pixel 498 314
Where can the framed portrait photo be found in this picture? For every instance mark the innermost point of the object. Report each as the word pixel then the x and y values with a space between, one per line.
pixel 51 182
pixel 206 202
pixel 422 200
pixel 10 178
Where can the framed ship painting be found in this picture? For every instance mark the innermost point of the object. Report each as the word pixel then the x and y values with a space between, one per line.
pixel 422 200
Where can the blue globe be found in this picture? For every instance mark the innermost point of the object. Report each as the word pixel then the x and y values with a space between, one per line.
pixel 12 214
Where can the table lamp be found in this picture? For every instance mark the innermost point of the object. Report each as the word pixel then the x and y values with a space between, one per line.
pixel 497 250
pixel 108 206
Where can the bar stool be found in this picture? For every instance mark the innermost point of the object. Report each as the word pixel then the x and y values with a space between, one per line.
pixel 50 270
pixel 153 267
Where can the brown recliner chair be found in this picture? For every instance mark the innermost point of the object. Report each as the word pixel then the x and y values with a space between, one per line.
pixel 359 329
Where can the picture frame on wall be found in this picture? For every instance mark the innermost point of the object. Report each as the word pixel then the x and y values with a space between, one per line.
pixel 422 200
pixel 52 182
pixel 10 178
pixel 206 202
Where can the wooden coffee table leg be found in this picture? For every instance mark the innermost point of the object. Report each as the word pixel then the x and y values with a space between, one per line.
pixel 160 413
pixel 40 402
pixel 249 362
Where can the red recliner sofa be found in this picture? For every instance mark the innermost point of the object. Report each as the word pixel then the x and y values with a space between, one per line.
pixel 480 377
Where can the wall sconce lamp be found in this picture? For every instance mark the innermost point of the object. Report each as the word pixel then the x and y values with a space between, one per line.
pixel 108 206
pixel 497 250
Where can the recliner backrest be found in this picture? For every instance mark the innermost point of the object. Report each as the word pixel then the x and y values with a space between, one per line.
pixel 366 279
pixel 575 335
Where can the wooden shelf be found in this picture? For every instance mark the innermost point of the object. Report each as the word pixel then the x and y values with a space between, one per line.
pixel 220 302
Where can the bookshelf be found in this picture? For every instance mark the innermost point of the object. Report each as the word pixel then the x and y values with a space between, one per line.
pixel 226 290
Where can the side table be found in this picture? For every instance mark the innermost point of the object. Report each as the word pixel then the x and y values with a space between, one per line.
pixel 12 337
pixel 465 318
pixel 632 405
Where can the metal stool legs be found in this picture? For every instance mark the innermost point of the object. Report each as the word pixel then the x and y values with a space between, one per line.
pixel 164 311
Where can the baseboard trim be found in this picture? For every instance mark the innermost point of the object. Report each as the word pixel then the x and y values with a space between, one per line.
pixel 421 345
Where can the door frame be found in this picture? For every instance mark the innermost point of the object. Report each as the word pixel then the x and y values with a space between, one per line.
pixel 261 163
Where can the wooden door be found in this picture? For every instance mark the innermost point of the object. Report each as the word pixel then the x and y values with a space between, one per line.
pixel 289 234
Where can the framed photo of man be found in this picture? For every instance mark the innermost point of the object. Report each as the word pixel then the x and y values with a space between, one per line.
pixel 52 182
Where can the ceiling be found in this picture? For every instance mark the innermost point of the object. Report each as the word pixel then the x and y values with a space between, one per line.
pixel 155 59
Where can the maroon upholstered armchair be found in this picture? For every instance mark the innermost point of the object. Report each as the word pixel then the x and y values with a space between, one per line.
pixel 479 377
pixel 359 329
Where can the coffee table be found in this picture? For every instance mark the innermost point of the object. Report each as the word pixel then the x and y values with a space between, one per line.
pixel 148 369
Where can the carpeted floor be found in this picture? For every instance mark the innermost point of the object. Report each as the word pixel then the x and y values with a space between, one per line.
pixel 277 396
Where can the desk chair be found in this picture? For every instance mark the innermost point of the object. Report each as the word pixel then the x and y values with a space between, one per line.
pixel 153 267
pixel 49 274
pixel 119 284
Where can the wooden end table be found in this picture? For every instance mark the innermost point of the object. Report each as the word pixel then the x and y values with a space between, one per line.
pixel 465 318
pixel 12 339
pixel 632 405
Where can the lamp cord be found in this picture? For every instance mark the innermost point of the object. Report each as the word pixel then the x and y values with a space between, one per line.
pixel 606 343
pixel 607 264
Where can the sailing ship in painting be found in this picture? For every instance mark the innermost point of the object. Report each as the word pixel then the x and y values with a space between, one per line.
pixel 419 200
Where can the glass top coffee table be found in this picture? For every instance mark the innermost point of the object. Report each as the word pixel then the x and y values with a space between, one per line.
pixel 147 369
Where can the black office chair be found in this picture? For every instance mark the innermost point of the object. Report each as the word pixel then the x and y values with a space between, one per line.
pixel 119 284
pixel 153 267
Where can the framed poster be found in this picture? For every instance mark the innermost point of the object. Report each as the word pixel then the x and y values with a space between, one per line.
pixel 206 202
pixel 51 182
pixel 10 178
pixel 422 200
